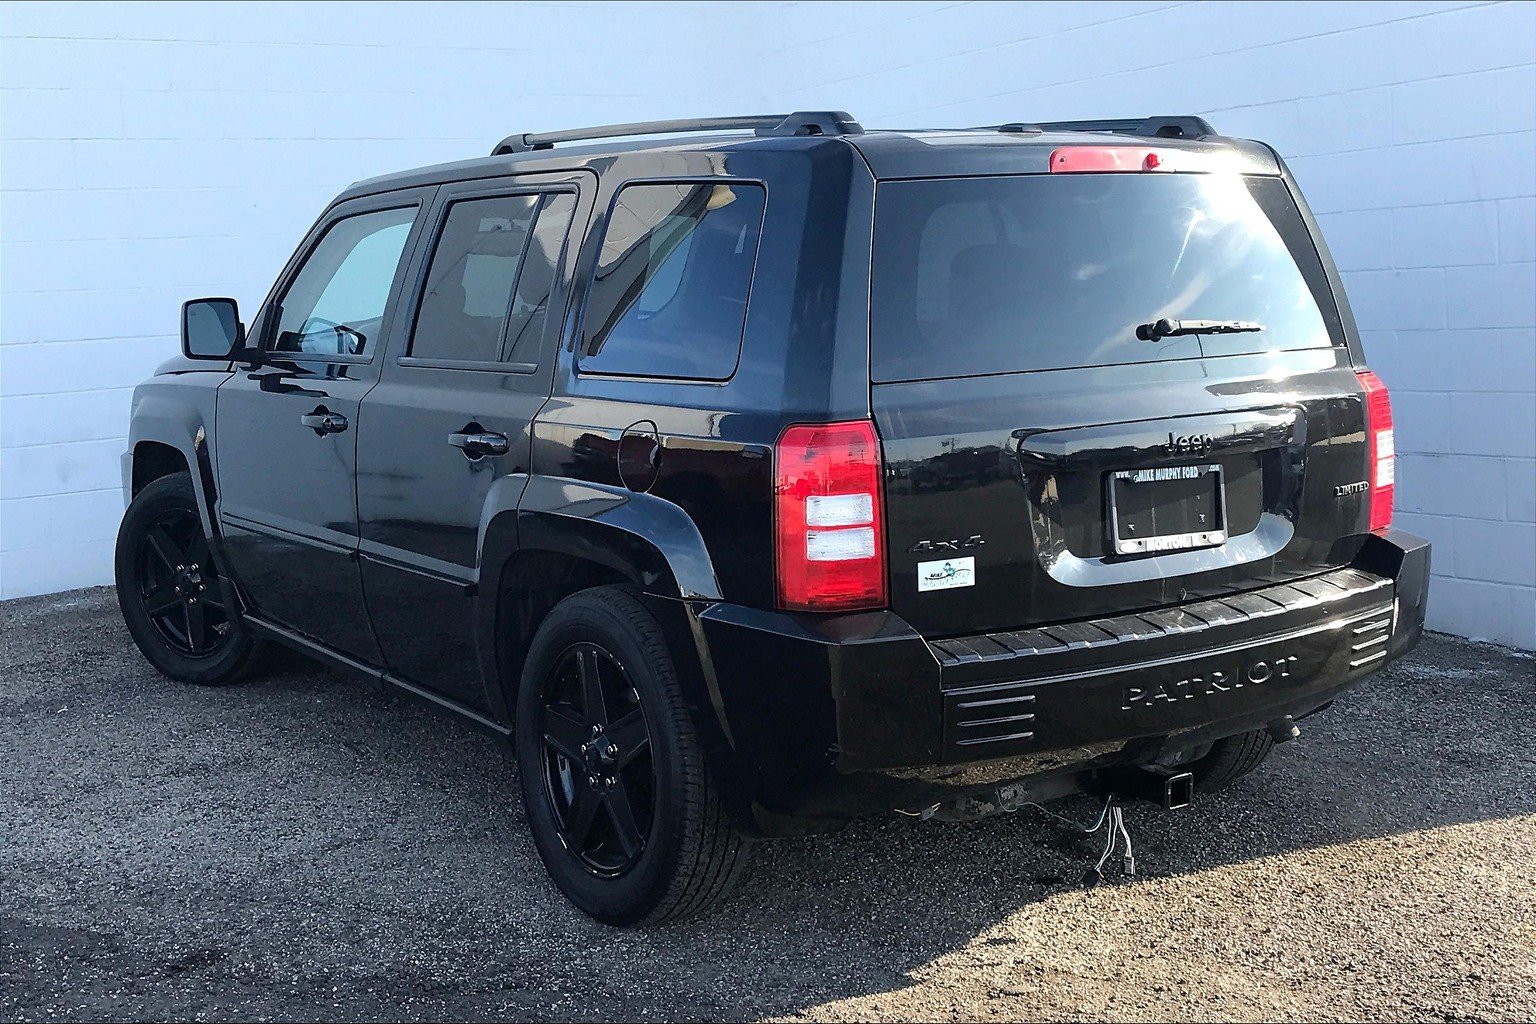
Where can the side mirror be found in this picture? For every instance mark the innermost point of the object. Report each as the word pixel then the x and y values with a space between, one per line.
pixel 211 329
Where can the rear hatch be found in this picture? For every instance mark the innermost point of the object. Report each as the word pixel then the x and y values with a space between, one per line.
pixel 1044 463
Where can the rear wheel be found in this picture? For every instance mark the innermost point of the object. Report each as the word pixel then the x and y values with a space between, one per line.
pixel 622 810
pixel 169 591
pixel 1230 759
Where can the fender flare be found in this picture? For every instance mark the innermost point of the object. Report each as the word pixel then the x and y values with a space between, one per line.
pixel 159 419
pixel 648 539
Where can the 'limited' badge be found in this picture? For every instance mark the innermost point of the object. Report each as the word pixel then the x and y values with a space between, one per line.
pixel 946 574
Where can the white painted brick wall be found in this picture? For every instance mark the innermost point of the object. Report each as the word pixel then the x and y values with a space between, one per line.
pixel 150 152
pixel 1412 129
pixel 154 152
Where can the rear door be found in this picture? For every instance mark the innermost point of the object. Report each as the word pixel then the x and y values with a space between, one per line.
pixel 447 428
pixel 1050 456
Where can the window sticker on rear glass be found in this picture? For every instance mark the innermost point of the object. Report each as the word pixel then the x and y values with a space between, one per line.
pixel 946 574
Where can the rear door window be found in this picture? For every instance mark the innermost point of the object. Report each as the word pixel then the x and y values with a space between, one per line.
pixel 976 276
pixel 490 280
pixel 669 294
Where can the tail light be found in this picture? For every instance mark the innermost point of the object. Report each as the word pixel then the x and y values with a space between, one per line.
pixel 829 518
pixel 1382 448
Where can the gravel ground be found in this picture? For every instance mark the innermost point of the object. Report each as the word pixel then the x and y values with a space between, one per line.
pixel 306 846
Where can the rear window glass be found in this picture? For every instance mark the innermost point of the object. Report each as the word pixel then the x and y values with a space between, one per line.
pixel 669 295
pixel 975 276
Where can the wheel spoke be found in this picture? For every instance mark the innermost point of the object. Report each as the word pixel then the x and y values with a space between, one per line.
pixel 625 829
pixel 566 733
pixel 213 597
pixel 592 687
pixel 165 549
pixel 198 552
pixel 630 736
pixel 197 628
pixel 161 600
pixel 578 822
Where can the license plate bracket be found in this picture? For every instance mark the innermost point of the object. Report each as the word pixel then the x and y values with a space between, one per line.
pixel 1166 508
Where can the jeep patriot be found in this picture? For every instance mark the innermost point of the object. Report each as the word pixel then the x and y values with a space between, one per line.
pixel 752 474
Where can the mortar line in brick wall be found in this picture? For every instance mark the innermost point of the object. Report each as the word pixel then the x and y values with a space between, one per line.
pixel 113 438
pixel 59 494
pixel 1147 67
pixel 66 394
pixel 1371 88
pixel 778 51
pixel 17 348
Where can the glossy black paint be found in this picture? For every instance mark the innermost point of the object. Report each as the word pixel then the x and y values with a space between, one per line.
pixel 401 548
pixel 429 484
pixel 1020 461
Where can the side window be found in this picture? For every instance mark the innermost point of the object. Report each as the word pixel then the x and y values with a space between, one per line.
pixel 491 277
pixel 336 302
pixel 669 295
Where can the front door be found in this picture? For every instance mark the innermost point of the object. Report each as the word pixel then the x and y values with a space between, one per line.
pixel 445 441
pixel 288 429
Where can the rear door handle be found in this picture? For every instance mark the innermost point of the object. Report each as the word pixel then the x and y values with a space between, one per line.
pixel 479 444
pixel 323 422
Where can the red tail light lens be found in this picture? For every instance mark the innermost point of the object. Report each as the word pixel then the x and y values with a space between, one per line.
pixel 829 518
pixel 1382 448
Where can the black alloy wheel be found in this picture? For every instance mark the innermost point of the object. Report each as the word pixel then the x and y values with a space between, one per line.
pixel 180 587
pixel 598 772
pixel 623 810
pixel 169 589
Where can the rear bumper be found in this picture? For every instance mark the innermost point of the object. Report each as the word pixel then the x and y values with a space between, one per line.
pixel 828 718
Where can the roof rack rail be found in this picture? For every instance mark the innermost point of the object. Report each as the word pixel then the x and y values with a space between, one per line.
pixel 804 122
pixel 1179 127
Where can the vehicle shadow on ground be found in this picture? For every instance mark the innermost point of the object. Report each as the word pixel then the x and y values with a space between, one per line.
pixel 306 845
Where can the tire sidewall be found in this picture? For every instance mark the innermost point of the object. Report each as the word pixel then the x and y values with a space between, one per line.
pixel 628 898
pixel 1231 759
pixel 169 493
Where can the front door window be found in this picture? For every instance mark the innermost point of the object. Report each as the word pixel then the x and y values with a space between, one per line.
pixel 335 304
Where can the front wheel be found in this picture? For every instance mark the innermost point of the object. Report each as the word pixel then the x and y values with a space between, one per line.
pixel 168 588
pixel 622 809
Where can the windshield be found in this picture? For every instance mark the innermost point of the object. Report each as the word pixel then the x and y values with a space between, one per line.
pixel 996 275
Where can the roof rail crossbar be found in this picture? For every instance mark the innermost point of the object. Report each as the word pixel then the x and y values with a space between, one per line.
pixel 805 122
pixel 1179 127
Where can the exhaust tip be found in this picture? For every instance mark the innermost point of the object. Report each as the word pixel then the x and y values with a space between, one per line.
pixel 1283 730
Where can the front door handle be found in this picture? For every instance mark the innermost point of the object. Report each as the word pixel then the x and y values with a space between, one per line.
pixel 479 444
pixel 323 422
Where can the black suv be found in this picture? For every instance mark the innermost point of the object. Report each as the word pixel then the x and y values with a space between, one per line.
pixel 754 481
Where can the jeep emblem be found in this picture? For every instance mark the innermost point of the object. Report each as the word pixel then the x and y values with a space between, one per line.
pixel 1189 444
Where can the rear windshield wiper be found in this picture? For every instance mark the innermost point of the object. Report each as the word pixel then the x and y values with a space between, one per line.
pixel 1176 328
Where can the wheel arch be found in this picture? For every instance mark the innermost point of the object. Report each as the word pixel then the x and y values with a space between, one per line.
pixel 153 460
pixel 568 536
pixel 170 434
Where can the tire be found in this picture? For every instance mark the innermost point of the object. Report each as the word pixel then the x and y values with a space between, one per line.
pixel 688 857
pixel 168 589
pixel 1230 759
